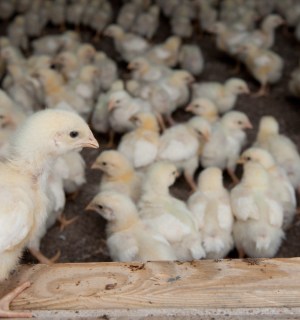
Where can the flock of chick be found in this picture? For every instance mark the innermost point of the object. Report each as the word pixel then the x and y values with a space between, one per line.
pixel 145 222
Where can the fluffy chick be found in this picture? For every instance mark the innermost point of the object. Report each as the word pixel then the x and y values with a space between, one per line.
pixel 118 174
pixel 129 238
pixel 257 230
pixel 44 136
pixel 168 215
pixel 227 138
pixel 224 95
pixel 140 145
pixel 182 144
pixel 282 187
pixel 264 65
pixel 204 108
pixel 210 205
pixel 281 148
pixel 191 59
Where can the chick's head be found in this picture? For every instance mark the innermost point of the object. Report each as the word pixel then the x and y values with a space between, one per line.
pixel 268 125
pixel 273 21
pixel 145 120
pixel 182 77
pixel 138 63
pixel 210 179
pixel 112 205
pixel 201 126
pixel 161 175
pixel 260 156
pixel 236 120
pixel 237 86
pixel 114 31
pixel 255 176
pixel 202 107
pixel 118 99
pixel 173 43
pixel 52 133
pixel 86 52
pixel 113 163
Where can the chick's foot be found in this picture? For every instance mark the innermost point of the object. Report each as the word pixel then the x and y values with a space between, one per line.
pixel 43 259
pixel 5 302
pixel 64 222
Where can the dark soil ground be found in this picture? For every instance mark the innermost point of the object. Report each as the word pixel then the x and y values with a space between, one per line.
pixel 84 240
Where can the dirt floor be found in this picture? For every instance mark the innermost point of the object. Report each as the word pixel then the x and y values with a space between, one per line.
pixel 84 240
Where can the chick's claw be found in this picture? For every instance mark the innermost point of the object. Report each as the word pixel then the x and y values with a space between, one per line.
pixel 64 222
pixel 43 259
pixel 5 302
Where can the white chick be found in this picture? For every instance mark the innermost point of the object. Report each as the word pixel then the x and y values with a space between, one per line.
pixel 128 45
pixel 16 33
pixel 85 54
pixel 282 187
pixel 224 96
pixel 44 136
pixel 129 238
pixel 75 11
pixel 118 174
pixel 257 230
pixel 168 215
pixel 204 108
pixel 68 64
pixel 146 23
pixel 294 83
pixel 140 145
pixel 281 148
pixel 57 14
pixel 7 9
pixel 127 15
pixel 210 205
pixel 101 19
pixel 182 144
pixel 191 59
pixel 181 26
pixel 264 65
pixel 99 120
pixel 226 141
pixel 108 70
pixel 166 53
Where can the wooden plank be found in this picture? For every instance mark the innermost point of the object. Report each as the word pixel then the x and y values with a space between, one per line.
pixel 254 288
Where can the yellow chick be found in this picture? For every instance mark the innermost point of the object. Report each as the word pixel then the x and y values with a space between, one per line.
pixel 166 53
pixel 281 148
pixel 282 187
pixel 224 96
pixel 140 145
pixel 68 64
pixel 257 230
pixel 129 238
pixel 210 205
pixel 118 174
pixel 128 45
pixel 204 108
pixel 85 54
pixel 43 137
pixel 191 59
pixel 226 141
pixel 264 65
pixel 168 215
pixel 182 143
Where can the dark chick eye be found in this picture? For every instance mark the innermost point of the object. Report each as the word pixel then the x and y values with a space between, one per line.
pixel 240 122
pixel 74 134
pixel 1 116
pixel 117 101
pixel 248 158
pixel 174 173
pixel 100 207
pixel 104 163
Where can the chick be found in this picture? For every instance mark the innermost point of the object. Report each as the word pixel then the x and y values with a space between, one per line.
pixel 224 96
pixel 166 53
pixel 210 205
pixel 118 174
pixel 204 108
pixel 140 145
pixel 294 83
pixel 257 230
pixel 57 13
pixel 281 148
pixel 226 141
pixel 128 45
pixel 191 59
pixel 43 137
pixel 168 215
pixel 68 64
pixel 75 11
pixel 129 238
pixel 101 19
pixel 107 68
pixel 282 187
pixel 16 33
pixel 127 15
pixel 182 144
pixel 181 26
pixel 264 65
pixel 147 23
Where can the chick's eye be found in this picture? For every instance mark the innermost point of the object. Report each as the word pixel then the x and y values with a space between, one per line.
pixel 74 134
pixel 1 116
pixel 248 158
pixel 104 163
pixel 100 207
pixel 240 122
pixel 174 173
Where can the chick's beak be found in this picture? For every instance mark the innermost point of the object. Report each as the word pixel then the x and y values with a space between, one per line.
pixel 241 160
pixel 90 142
pixel 111 105
pixel 130 66
pixel 89 207
pixel 206 136
pixel 248 125
pixel 189 108
pixel 247 91
pixel 95 165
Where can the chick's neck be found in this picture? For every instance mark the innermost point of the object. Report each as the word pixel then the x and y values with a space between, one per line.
pixel 124 221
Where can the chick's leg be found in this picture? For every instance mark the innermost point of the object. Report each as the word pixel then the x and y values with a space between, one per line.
pixel 111 139
pixel 233 176
pixel 64 222
pixel 43 259
pixel 263 91
pixel 160 121
pixel 5 302
pixel 190 181
pixel 241 253
pixel 170 120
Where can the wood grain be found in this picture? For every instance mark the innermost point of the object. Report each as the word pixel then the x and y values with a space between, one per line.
pixel 254 288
